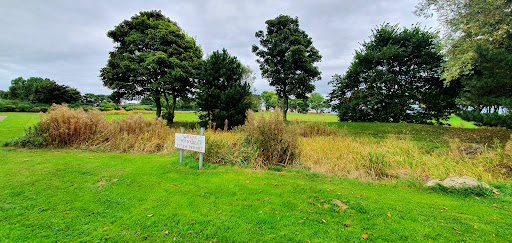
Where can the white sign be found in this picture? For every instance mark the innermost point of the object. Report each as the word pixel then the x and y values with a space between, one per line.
pixel 190 142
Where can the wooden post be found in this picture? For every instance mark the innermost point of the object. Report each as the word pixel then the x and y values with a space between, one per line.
pixel 201 154
pixel 181 150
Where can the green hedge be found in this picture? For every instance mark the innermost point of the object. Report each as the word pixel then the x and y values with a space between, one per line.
pixel 487 119
pixel 18 106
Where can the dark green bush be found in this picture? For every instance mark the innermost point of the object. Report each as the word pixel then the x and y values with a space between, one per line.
pixel 487 119
pixel 34 137
pixel 137 108
pixel 7 108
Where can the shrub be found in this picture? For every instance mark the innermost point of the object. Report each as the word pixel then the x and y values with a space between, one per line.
pixel 137 108
pixel 107 106
pixel 7 108
pixel 229 148
pixel 34 137
pixel 276 143
pixel 487 119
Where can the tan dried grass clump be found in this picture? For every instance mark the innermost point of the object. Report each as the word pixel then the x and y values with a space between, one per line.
pixel 276 143
pixel 63 126
pixel 229 147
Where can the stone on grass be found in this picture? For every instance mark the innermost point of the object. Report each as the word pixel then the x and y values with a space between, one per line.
pixel 470 150
pixel 456 182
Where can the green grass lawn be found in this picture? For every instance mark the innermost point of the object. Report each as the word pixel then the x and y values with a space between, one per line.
pixel 65 195
pixel 456 121
pixel 61 195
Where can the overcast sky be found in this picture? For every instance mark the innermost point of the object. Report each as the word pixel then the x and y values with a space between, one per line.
pixel 66 40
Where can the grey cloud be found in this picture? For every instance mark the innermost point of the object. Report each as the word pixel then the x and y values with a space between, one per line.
pixel 66 40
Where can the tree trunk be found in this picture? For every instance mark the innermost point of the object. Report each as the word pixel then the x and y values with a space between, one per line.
pixel 156 98
pixel 173 105
pixel 285 106
pixel 170 109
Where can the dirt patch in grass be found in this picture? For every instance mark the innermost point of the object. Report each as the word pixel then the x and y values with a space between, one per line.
pixel 2 118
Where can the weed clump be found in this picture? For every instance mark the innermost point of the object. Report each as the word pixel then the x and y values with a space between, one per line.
pixel 229 148
pixel 65 127
pixel 277 144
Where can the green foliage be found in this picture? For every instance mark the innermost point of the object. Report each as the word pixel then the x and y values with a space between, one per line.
pixel 286 59
pixel 487 119
pixel 19 106
pixel 222 94
pixel 22 89
pixel 49 92
pixel 394 77
pixel 153 57
pixel 39 90
pixel 317 102
pixel 490 84
pixel 256 102
pixel 468 25
pixel 107 106
pixel 93 99
pixel 137 108
pixel 34 137
pixel 302 106
pixel 270 99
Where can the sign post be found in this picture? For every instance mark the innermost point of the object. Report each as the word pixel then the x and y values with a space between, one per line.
pixel 190 142
pixel 201 154
pixel 181 150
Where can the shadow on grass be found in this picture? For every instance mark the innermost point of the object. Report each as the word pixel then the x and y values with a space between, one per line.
pixel 463 192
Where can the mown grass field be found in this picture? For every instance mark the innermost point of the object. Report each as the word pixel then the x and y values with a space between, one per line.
pixel 69 195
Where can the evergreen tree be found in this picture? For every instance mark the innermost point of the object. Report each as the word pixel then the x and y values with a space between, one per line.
pixel 222 92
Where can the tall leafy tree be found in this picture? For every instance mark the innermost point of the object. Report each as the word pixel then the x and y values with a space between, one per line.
pixel 478 41
pixel 467 25
pixel 222 94
pixel 286 58
pixel 395 77
pixel 317 102
pixel 23 89
pixel 270 99
pixel 49 92
pixel 153 57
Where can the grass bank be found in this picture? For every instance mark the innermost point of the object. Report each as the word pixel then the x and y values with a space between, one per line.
pixel 62 195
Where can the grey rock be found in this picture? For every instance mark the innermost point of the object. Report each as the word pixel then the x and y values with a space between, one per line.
pixel 456 182
pixel 470 150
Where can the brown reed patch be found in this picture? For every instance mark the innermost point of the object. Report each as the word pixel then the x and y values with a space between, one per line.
pixel 63 126
pixel 370 158
pixel 276 142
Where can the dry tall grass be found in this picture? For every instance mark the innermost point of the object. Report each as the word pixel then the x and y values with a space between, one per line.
pixel 369 158
pixel 266 141
pixel 276 142
pixel 90 130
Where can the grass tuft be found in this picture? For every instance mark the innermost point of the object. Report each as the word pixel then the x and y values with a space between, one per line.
pixel 276 142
